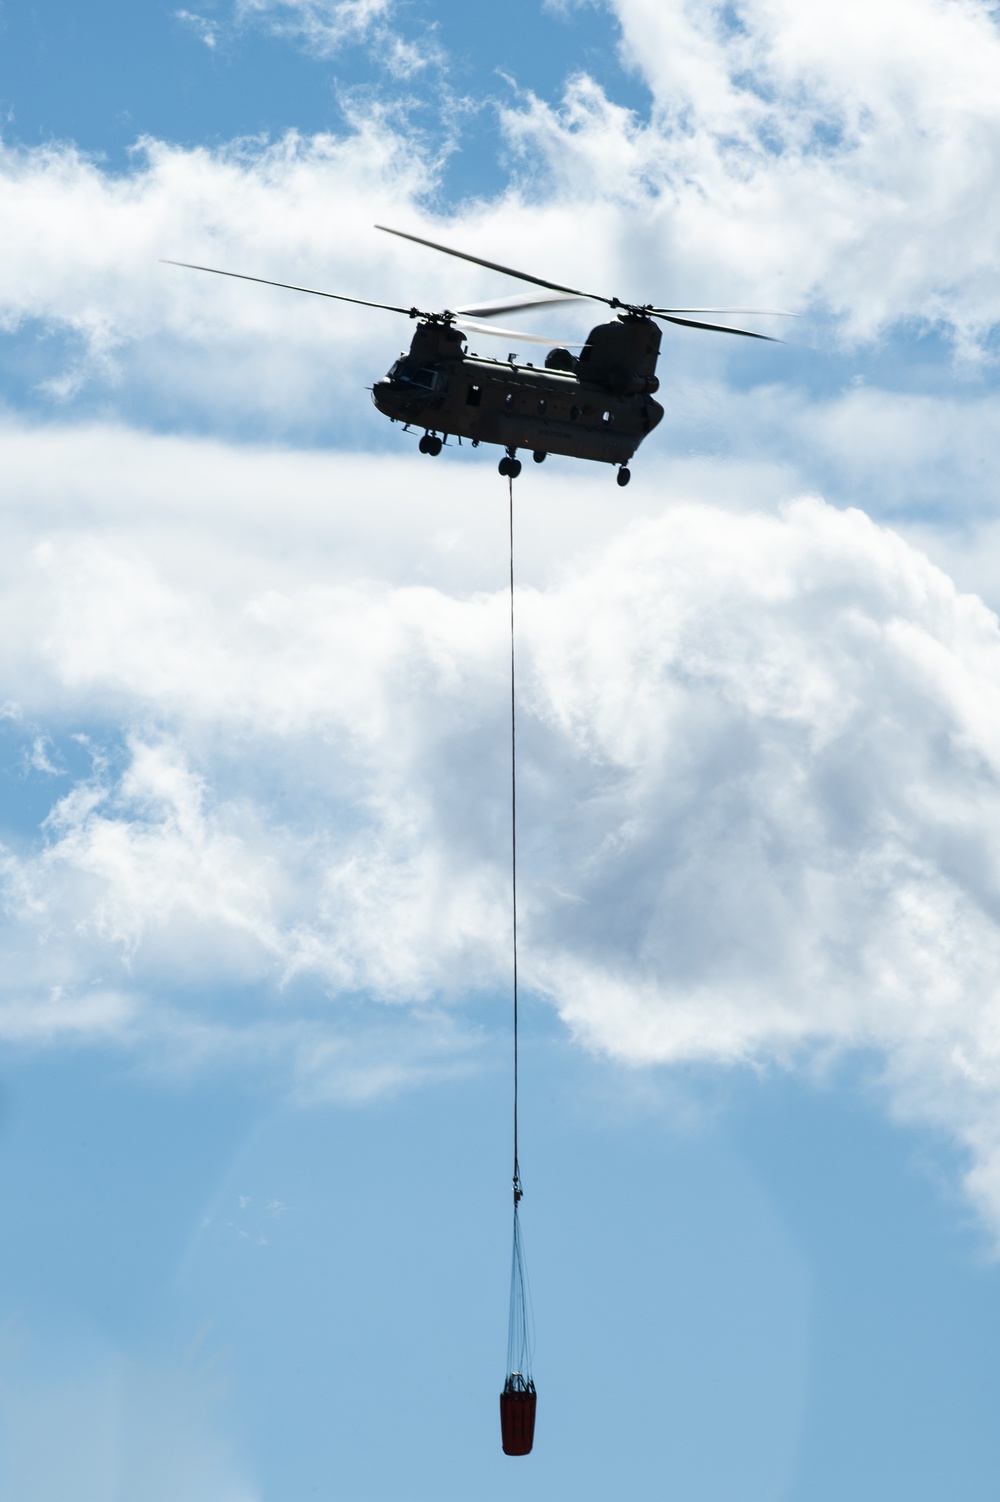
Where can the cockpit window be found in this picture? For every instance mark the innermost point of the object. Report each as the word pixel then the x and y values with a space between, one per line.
pixel 423 375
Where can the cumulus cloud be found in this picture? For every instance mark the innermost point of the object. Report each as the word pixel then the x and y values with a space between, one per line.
pixel 84 260
pixel 759 791
pixel 907 456
pixel 847 160
pixel 759 766
pixel 846 167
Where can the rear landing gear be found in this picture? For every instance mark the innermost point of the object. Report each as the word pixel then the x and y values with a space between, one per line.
pixel 509 467
pixel 429 444
pixel 624 475
pixel 538 456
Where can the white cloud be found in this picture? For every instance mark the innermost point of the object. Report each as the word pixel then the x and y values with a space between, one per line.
pixel 323 28
pixel 322 25
pixel 759 751
pixel 847 159
pixel 848 166
pixel 82 257
pixel 759 784
pixel 206 30
pixel 910 457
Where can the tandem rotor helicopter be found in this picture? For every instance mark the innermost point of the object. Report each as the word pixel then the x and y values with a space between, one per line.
pixel 596 405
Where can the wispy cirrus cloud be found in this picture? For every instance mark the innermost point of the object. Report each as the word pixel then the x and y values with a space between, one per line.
pixel 207 29
pixel 323 28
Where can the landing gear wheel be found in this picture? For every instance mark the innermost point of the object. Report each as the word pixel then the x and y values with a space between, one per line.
pixel 513 468
pixel 424 444
pixel 434 446
pixel 504 466
pixel 538 456
pixel 624 475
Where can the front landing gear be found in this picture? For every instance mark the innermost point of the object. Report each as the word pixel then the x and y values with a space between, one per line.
pixel 430 444
pixel 509 467
pixel 624 475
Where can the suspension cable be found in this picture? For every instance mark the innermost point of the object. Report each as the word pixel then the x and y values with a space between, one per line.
pixel 519 1387
pixel 513 833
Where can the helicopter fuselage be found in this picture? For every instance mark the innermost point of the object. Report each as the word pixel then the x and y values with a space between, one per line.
pixel 598 405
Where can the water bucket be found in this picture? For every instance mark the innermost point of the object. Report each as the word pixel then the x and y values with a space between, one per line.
pixel 517 1418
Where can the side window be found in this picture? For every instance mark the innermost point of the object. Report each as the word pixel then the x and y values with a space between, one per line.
pixel 473 396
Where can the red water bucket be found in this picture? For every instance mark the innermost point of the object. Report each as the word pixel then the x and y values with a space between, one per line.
pixel 517 1419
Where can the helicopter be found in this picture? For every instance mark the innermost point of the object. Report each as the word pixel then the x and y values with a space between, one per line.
pixel 597 405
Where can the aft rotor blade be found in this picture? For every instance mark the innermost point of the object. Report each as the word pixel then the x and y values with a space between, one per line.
pixel 515 305
pixel 522 276
pixel 716 328
pixel 725 312
pixel 289 287
pixel 519 334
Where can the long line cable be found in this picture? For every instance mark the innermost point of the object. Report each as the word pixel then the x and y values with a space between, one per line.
pixel 520 1323
pixel 513 833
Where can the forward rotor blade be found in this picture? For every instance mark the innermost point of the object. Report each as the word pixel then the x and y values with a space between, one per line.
pixel 522 276
pixel 515 305
pixel 519 334
pixel 716 328
pixel 289 287
pixel 475 327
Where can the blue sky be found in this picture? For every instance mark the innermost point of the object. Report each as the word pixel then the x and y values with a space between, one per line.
pixel 255 1005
